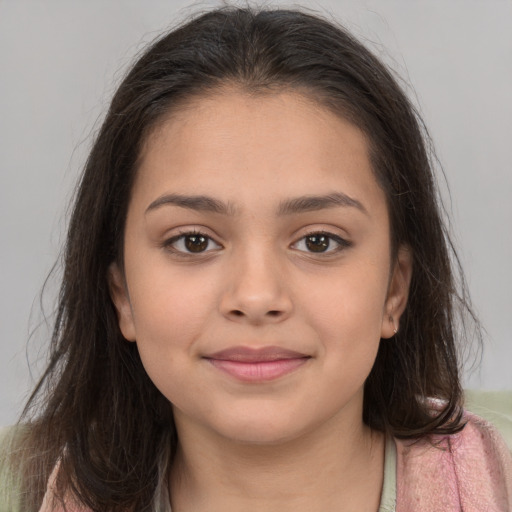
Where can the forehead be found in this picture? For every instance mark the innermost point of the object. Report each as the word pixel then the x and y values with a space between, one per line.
pixel 239 145
pixel 247 117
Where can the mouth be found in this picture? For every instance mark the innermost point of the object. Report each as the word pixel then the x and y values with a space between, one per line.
pixel 257 364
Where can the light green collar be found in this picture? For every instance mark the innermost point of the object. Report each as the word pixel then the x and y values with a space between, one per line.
pixel 388 496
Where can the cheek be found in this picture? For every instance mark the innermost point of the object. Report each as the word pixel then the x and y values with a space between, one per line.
pixel 169 321
pixel 170 306
pixel 347 312
pixel 171 312
pixel 353 296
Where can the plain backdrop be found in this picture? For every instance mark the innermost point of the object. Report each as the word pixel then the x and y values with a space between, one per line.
pixel 61 60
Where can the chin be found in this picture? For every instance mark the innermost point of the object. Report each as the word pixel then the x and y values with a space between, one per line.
pixel 261 430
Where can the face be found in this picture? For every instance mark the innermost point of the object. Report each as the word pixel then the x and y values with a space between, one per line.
pixel 258 279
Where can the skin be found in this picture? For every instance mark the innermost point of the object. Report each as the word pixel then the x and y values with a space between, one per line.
pixel 255 445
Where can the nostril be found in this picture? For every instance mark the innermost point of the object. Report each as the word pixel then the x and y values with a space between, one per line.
pixel 274 313
pixel 237 312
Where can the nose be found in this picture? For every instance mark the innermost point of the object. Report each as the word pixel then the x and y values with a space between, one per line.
pixel 256 290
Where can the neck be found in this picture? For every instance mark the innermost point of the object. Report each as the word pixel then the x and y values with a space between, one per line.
pixel 317 471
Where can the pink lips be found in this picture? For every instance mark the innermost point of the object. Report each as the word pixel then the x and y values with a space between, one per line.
pixel 257 365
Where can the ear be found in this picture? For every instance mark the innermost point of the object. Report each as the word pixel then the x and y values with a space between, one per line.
pixel 398 292
pixel 121 300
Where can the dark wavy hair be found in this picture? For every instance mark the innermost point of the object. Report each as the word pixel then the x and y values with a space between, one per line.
pixel 95 409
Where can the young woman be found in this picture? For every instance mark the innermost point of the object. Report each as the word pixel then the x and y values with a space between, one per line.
pixel 258 309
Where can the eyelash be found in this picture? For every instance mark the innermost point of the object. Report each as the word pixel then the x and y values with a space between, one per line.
pixel 168 244
pixel 341 243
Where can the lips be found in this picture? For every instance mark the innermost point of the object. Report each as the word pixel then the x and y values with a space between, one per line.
pixel 257 364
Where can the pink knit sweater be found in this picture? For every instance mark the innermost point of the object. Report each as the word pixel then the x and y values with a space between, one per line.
pixel 470 471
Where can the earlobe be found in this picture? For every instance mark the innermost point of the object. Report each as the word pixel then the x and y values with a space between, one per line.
pixel 121 300
pixel 398 292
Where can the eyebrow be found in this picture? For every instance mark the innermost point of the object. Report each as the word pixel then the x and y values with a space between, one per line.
pixel 300 204
pixel 314 203
pixel 199 203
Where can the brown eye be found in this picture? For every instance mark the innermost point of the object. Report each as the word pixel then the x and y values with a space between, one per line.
pixel 191 243
pixel 196 243
pixel 317 243
pixel 321 243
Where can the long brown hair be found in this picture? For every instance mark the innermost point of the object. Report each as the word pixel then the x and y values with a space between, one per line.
pixel 95 409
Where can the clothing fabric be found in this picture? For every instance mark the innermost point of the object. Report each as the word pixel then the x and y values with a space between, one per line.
pixel 388 495
pixel 470 470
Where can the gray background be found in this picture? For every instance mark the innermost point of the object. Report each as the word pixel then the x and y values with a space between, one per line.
pixel 60 61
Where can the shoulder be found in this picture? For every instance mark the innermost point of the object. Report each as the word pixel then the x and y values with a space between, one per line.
pixel 495 407
pixel 470 470
pixel 9 484
pixel 12 451
pixel 52 502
